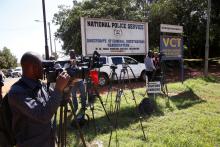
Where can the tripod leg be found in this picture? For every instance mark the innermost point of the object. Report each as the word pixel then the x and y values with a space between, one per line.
pixel 117 106
pixel 60 128
pixel 77 124
pixel 64 124
pixel 110 138
pixel 112 75
pixel 165 93
pixel 111 105
pixel 116 122
pixel 93 116
pixel 106 100
pixel 116 112
pixel 139 116
pixel 100 99
pixel 109 88
pixel 125 71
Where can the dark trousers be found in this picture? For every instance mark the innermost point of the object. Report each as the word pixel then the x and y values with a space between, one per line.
pixel 149 75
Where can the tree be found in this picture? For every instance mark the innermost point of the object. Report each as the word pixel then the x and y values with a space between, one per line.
pixel 191 14
pixel 69 19
pixel 215 28
pixel 7 60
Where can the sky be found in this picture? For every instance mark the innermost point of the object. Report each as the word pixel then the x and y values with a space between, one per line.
pixel 18 30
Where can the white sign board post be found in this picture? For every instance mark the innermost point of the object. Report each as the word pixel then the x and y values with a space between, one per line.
pixel 113 37
pixel 154 87
pixel 171 28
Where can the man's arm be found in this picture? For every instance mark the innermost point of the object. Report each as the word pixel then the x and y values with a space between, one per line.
pixel 42 112
pixel 34 109
pixel 152 64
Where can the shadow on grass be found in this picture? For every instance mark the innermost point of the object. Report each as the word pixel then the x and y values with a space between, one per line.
pixel 186 99
pixel 211 79
pixel 127 116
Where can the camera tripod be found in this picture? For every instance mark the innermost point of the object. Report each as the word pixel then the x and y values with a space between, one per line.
pixel 113 76
pixel 123 74
pixel 92 93
pixel 163 79
pixel 62 128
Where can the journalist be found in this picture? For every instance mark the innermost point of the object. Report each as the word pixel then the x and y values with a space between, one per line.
pixel 31 105
pixel 149 65
pixel 78 84
pixel 1 84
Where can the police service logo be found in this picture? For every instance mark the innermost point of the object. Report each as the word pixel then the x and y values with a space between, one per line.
pixel 117 32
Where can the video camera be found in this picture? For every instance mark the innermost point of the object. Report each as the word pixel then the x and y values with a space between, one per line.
pixel 113 66
pixel 125 65
pixel 83 66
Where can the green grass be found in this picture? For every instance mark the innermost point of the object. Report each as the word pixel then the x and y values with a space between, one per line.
pixel 190 118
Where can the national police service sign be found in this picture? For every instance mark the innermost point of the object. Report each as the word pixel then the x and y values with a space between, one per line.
pixel 113 37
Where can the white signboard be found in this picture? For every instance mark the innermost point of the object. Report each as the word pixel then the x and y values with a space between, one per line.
pixel 154 87
pixel 113 37
pixel 171 28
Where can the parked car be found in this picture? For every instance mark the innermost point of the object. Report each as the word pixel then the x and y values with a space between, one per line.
pixel 120 62
pixel 3 75
pixel 8 73
pixel 17 72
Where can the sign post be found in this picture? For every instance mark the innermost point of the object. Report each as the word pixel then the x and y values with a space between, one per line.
pixel 114 37
pixel 171 46
pixel 154 88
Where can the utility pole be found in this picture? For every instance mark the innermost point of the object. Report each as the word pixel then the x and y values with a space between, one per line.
pixel 55 47
pixel 45 30
pixel 51 49
pixel 207 40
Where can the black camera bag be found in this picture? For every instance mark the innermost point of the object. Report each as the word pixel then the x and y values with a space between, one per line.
pixel 146 106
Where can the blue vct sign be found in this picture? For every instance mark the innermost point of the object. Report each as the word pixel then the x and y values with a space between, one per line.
pixel 171 46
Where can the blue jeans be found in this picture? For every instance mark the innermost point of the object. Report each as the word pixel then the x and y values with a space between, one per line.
pixel 79 86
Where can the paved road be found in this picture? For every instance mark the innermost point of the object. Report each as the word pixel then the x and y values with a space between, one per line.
pixel 7 84
pixel 10 81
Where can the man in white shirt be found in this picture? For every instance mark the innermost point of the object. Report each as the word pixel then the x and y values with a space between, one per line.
pixel 149 65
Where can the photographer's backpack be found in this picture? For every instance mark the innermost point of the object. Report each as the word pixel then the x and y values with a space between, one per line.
pixel 146 106
pixel 7 138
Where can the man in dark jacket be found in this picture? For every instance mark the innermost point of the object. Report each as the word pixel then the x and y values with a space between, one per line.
pixel 32 108
pixel 1 84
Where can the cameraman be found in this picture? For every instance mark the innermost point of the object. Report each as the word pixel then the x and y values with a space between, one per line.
pixel 149 65
pixel 77 84
pixel 32 108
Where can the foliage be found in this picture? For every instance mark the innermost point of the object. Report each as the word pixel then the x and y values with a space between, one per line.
pixel 215 28
pixel 69 19
pixel 190 14
pixel 7 60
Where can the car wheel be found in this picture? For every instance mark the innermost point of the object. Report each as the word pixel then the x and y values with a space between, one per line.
pixel 103 79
